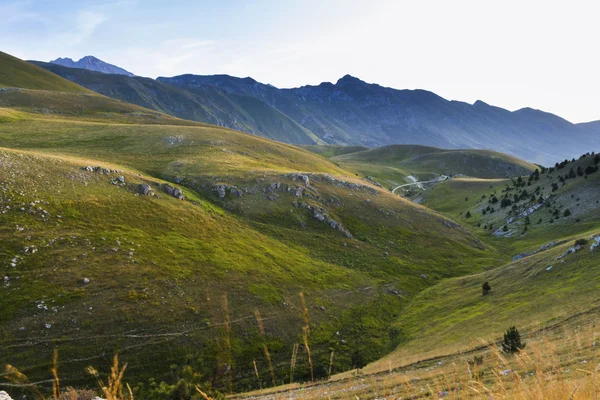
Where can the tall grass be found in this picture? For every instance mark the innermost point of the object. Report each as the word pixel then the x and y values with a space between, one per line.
pixel 261 328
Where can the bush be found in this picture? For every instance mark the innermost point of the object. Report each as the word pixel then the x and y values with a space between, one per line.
pixel 512 341
pixel 358 360
pixel 581 242
pixel 567 213
pixel 468 214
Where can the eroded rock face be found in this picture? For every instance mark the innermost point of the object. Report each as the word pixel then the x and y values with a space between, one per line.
pixel 173 191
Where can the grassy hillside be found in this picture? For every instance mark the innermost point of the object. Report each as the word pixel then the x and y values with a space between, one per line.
pixel 327 150
pixel 534 292
pixel 534 209
pixel 16 73
pixel 392 164
pixel 262 221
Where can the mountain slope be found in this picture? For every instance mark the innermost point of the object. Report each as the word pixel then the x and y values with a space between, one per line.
pixel 18 74
pixel 206 104
pixel 260 221
pixel 93 64
pixel 352 112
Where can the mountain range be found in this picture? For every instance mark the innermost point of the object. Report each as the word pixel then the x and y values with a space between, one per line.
pixel 348 112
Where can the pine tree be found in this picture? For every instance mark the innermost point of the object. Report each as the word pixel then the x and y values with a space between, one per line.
pixel 512 341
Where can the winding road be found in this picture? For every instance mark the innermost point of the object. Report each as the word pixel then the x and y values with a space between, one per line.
pixel 440 178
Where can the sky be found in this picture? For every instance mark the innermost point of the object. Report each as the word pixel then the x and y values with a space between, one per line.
pixel 512 54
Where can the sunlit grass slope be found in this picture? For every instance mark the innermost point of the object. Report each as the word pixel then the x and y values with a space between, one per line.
pixel 16 73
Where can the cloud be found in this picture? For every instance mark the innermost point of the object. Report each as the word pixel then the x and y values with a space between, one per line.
pixel 86 23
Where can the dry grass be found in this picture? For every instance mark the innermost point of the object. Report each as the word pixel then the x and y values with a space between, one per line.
pixel 558 363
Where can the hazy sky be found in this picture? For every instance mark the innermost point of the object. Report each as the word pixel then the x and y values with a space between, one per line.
pixel 542 54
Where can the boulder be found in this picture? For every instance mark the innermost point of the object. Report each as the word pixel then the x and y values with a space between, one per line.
pixel 121 179
pixel 221 191
pixel 235 191
pixel 173 191
pixel 144 189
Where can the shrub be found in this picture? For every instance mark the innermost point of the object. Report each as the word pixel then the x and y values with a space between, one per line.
pixel 512 341
pixel 358 360
pixel 468 214
pixel 567 213
pixel 581 242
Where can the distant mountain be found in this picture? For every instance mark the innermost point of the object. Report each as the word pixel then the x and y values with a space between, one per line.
pixel 350 112
pixel 353 112
pixel 208 104
pixel 93 64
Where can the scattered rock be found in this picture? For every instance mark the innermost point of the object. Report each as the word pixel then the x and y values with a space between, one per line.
pixel 121 179
pixel 571 250
pixel 86 280
pixel 223 189
pixel 423 276
pixel 173 191
pixel 544 247
pixel 144 189
pixel 596 242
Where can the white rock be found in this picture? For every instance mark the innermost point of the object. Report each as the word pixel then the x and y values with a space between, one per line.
pixel 4 395
pixel 86 280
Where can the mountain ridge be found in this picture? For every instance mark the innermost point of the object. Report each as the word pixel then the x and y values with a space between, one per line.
pixel 93 64
pixel 352 112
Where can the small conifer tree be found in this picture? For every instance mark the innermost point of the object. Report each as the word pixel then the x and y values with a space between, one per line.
pixel 512 341
pixel 486 288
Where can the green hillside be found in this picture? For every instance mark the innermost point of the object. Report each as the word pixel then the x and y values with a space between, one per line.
pixel 535 208
pixel 392 164
pixel 18 74
pixel 261 222
pixel 531 293
pixel 327 150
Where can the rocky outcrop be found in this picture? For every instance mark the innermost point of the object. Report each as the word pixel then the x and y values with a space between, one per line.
pixel 321 214
pixel 144 189
pixel 544 247
pixel 595 242
pixel 173 191
pixel 222 191
pixel 570 250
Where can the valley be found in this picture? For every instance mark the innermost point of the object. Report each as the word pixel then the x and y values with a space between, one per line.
pixel 233 261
